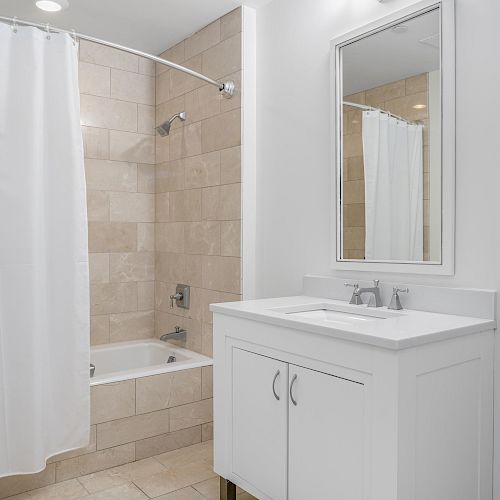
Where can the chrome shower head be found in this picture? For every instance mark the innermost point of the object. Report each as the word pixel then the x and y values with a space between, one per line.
pixel 164 128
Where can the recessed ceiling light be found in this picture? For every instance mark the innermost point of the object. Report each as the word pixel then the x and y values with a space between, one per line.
pixel 52 5
pixel 419 106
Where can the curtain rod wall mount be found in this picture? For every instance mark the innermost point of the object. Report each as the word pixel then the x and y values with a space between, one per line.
pixel 227 88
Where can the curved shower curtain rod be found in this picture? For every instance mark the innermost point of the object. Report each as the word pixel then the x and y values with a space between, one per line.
pixel 226 88
pixel 371 108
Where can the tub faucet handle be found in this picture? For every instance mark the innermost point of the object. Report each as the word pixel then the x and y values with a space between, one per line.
pixel 175 296
pixel 181 296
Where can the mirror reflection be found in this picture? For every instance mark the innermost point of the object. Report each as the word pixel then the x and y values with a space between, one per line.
pixel 390 189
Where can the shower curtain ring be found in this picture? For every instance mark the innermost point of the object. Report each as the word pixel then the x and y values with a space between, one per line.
pixel 74 37
pixel 47 29
pixel 14 24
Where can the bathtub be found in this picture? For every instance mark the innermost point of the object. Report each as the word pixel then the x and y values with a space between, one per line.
pixel 140 358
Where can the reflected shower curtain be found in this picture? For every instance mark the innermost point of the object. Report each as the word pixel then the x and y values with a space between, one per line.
pixel 393 163
pixel 44 291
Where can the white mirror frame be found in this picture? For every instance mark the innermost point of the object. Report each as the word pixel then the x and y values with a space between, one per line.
pixel 447 265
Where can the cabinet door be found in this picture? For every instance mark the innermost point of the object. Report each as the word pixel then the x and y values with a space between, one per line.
pixel 260 405
pixel 325 437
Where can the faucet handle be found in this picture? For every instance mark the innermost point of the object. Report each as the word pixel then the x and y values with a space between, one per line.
pixel 395 302
pixel 176 296
pixel 356 297
pixel 354 285
pixel 376 283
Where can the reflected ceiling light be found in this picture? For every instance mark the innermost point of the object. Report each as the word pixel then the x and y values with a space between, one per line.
pixel 52 5
pixel 419 106
pixel 400 28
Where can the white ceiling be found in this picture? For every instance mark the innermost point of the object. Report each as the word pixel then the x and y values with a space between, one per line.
pixel 387 56
pixel 148 25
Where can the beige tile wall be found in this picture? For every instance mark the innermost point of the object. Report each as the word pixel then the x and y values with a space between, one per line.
pixel 399 98
pixel 190 232
pixel 132 420
pixel 198 182
pixel 117 114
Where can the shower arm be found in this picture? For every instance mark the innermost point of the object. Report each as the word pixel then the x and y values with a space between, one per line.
pixel 181 116
pixel 226 88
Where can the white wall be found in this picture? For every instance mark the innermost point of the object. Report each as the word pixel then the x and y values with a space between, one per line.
pixel 293 171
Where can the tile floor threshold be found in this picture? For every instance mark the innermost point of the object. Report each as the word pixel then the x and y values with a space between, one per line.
pixel 183 474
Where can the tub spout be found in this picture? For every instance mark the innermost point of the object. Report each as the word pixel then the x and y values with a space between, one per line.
pixel 179 334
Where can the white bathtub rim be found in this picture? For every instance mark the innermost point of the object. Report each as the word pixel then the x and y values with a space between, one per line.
pixel 113 345
pixel 199 360
pixel 147 372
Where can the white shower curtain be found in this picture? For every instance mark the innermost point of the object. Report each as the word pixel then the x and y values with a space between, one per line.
pixel 44 296
pixel 393 163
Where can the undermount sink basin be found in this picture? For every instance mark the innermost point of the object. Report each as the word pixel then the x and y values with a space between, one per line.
pixel 330 315
pixel 340 314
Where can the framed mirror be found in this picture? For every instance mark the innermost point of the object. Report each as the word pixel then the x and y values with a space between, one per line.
pixel 393 137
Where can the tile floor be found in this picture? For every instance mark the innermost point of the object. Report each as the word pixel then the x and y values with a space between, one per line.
pixel 185 474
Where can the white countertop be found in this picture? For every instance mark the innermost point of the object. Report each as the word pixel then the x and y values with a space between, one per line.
pixel 408 328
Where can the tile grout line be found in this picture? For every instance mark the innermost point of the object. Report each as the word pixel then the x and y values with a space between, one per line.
pixel 82 485
pixel 140 489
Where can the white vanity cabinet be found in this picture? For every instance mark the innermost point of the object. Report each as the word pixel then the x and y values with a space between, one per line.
pixel 302 412
pixel 316 417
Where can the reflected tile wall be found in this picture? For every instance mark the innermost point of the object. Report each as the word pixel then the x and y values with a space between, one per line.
pixel 399 98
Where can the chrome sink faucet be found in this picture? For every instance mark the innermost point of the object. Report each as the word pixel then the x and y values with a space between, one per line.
pixel 375 301
pixel 375 290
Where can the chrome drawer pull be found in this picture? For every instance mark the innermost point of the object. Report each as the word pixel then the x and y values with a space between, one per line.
pixel 274 383
pixel 294 378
